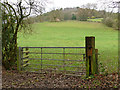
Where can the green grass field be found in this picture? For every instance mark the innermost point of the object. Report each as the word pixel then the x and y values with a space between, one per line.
pixel 72 34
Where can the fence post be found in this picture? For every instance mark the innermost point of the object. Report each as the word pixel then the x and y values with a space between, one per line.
pixel 27 52
pixel 41 60
pixel 64 59
pixel 90 56
pixel 96 58
pixel 19 58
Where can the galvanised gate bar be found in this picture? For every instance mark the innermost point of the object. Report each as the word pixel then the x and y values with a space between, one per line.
pixel 68 60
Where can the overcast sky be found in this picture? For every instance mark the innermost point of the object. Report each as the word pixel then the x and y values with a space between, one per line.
pixel 68 3
pixel 53 4
pixel 73 3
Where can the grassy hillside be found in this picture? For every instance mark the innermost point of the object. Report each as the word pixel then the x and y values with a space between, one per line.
pixel 73 33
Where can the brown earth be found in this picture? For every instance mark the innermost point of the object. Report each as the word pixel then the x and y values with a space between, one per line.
pixel 15 79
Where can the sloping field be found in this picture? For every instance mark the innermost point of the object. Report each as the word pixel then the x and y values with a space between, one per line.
pixel 72 34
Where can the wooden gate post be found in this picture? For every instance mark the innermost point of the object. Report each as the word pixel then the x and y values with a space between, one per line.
pixel 19 51
pixel 96 59
pixel 90 56
pixel 18 68
pixel 27 52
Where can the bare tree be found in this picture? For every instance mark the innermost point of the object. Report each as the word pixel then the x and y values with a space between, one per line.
pixel 91 8
pixel 82 14
pixel 14 15
pixel 111 8
pixel 56 15
pixel 87 10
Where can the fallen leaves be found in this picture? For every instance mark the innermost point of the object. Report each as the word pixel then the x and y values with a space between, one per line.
pixel 15 79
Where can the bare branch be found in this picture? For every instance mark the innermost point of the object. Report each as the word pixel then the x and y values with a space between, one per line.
pixel 12 9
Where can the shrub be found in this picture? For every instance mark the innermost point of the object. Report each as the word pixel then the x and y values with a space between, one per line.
pixel 93 17
pixel 115 24
pixel 108 21
pixel 73 17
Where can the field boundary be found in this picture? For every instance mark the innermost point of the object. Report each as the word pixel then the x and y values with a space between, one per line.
pixel 25 58
pixel 46 59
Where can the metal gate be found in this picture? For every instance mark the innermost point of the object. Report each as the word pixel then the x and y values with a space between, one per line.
pixel 67 60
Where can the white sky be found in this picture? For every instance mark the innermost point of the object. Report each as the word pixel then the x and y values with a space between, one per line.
pixel 53 4
pixel 68 3
pixel 73 3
